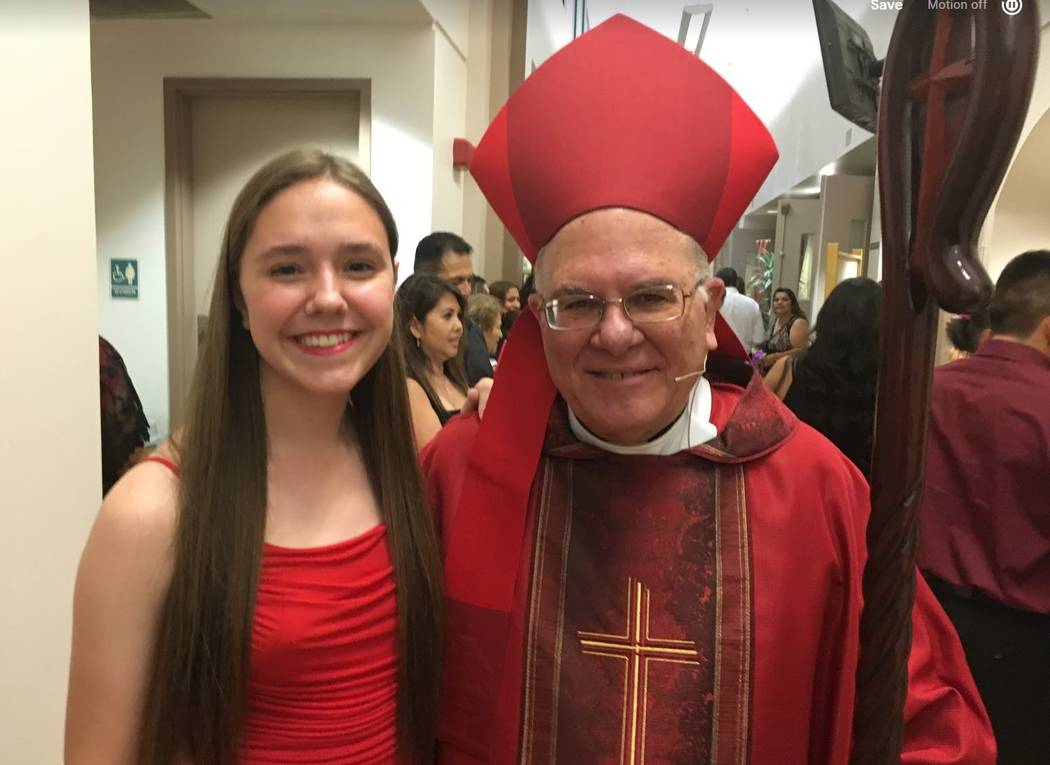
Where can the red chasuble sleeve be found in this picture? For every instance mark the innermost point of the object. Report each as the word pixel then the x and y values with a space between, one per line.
pixel 809 509
pixel 944 719
pixel 445 468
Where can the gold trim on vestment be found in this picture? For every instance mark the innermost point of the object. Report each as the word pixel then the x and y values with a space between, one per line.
pixel 556 682
pixel 732 702
pixel 537 577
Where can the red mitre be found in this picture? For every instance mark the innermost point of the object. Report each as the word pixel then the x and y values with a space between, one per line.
pixel 623 117
pixel 620 117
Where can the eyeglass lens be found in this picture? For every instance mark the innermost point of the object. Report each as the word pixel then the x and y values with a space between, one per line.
pixel 649 304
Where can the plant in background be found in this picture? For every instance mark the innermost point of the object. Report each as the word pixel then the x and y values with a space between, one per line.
pixel 763 278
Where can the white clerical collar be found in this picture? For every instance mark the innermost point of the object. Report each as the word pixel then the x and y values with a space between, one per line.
pixel 692 428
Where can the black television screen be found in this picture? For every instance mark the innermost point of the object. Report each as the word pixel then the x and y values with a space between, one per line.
pixel 850 66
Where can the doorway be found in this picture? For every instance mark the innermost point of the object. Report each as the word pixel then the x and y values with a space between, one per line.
pixel 797 222
pixel 217 133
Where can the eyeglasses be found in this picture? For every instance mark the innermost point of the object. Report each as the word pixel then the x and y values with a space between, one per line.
pixel 646 305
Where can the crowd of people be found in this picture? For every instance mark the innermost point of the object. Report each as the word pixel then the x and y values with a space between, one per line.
pixel 466 522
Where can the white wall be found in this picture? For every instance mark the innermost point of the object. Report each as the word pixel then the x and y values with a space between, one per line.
pixel 479 112
pixel 128 63
pixel 491 76
pixel 549 28
pixel 844 198
pixel 1018 218
pixel 797 218
pixel 450 122
pixel 874 263
pixel 49 454
pixel 453 18
pixel 1022 220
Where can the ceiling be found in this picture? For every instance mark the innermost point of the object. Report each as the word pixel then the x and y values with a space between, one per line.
pixel 264 11
pixel 860 160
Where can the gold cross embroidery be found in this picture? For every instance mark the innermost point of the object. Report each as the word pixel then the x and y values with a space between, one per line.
pixel 637 648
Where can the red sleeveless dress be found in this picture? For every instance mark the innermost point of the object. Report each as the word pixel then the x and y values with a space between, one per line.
pixel 323 677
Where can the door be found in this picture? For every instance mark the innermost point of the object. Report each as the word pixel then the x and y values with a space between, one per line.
pixel 222 132
pixel 800 222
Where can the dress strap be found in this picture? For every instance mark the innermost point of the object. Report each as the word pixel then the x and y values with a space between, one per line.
pixel 163 461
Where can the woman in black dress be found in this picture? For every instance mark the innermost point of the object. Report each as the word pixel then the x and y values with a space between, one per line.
pixel 430 318
pixel 787 330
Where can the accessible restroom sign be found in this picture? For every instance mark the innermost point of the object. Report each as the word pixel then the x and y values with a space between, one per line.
pixel 124 279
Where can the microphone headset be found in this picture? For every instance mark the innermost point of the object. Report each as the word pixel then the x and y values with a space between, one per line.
pixel 692 374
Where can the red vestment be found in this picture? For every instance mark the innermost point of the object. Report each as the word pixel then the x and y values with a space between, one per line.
pixel 702 606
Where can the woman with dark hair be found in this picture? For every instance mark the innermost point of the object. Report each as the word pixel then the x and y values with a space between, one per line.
pixel 268 588
pixel 430 317
pixel 787 330
pixel 508 294
pixel 512 297
pixel 831 385
pixel 967 332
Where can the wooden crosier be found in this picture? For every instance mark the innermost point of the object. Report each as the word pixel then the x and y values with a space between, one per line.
pixel 955 91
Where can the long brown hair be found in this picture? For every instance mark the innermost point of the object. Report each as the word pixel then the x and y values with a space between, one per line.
pixel 197 693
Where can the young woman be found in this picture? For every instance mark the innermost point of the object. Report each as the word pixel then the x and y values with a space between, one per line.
pixel 508 293
pixel 513 299
pixel 787 330
pixel 270 592
pixel 430 315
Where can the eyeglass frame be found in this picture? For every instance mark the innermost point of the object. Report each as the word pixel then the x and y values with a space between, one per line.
pixel 547 304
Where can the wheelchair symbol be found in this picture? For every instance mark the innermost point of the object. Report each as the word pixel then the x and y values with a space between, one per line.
pixel 127 276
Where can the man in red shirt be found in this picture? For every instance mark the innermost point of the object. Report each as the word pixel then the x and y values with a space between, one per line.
pixel 648 558
pixel 985 514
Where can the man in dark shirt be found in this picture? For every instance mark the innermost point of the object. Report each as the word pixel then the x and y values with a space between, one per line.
pixel 448 256
pixel 985 514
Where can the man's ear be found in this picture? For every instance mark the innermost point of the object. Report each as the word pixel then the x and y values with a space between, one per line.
pixel 716 294
pixel 397 264
pixel 1043 332
pixel 535 305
